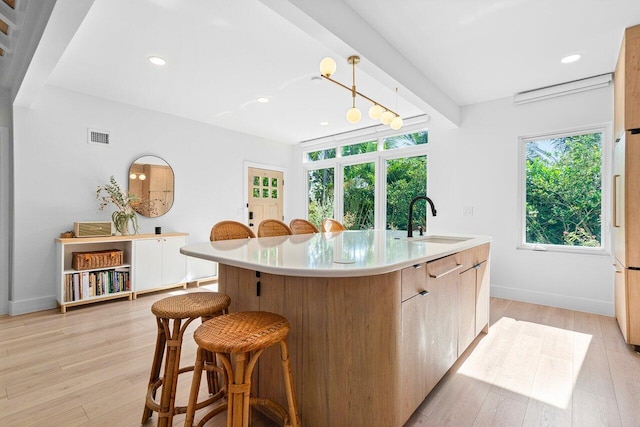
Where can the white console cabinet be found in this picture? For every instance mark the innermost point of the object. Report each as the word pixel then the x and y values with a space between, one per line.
pixel 159 263
pixel 149 263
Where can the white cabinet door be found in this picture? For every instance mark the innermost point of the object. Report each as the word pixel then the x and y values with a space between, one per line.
pixel 158 262
pixel 174 264
pixel 147 264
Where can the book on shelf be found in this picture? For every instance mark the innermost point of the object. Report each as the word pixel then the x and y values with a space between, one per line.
pixel 86 284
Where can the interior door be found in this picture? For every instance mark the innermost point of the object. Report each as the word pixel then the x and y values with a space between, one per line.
pixel 265 196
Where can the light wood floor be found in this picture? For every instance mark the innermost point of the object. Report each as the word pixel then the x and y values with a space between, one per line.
pixel 537 366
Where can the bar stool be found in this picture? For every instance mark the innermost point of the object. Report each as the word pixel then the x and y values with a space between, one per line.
pixel 190 306
pixel 238 339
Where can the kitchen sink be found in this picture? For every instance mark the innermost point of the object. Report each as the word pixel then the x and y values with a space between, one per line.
pixel 447 240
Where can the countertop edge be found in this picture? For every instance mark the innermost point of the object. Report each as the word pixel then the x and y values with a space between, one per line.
pixel 448 249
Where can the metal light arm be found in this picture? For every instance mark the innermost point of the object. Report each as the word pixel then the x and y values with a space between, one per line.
pixel 352 90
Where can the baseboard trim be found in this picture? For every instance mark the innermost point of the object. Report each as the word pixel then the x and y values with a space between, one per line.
pixel 31 305
pixel 554 300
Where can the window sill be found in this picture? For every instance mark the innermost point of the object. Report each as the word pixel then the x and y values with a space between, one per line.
pixel 582 250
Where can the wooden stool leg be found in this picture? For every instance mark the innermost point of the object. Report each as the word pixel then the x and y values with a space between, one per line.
pixel 288 382
pixel 212 376
pixel 170 379
pixel 238 397
pixel 195 387
pixel 158 355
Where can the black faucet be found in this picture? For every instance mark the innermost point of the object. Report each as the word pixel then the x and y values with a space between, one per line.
pixel 410 222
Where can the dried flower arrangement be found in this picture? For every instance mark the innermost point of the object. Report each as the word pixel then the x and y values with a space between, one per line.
pixel 113 193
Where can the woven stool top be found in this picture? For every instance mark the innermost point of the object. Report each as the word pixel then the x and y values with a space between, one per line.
pixel 241 332
pixel 191 305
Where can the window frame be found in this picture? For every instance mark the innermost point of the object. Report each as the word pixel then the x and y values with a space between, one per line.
pixel 605 191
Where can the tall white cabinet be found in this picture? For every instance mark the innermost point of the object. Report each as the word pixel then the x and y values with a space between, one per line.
pixel 150 262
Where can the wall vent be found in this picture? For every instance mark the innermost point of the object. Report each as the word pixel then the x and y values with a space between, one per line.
pixel 98 137
pixel 563 89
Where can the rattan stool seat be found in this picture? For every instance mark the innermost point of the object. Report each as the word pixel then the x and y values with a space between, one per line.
pixel 238 340
pixel 194 304
pixel 242 332
pixel 170 313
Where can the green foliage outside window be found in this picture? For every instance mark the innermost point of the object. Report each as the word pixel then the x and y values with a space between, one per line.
pixel 360 148
pixel 563 191
pixel 359 194
pixel 320 195
pixel 407 140
pixel 315 156
pixel 406 178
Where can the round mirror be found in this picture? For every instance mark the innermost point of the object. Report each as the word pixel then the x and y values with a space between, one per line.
pixel 151 179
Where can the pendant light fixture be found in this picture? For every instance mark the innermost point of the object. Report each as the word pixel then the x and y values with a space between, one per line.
pixel 377 110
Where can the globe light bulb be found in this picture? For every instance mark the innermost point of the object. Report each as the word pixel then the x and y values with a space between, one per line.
pixel 142 177
pixel 327 66
pixel 375 111
pixel 396 123
pixel 132 176
pixel 354 115
pixel 386 117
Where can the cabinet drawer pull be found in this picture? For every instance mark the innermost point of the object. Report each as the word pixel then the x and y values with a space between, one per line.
pixel 457 267
pixel 615 267
pixel 423 293
pixel 417 266
pixel 478 265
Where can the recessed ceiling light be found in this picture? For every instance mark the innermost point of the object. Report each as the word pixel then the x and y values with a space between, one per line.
pixel 263 100
pixel 156 60
pixel 571 58
pixel 324 123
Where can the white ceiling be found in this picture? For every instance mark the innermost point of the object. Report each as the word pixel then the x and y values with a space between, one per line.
pixel 441 54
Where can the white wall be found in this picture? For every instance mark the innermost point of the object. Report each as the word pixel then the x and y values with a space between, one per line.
pixel 57 172
pixel 477 165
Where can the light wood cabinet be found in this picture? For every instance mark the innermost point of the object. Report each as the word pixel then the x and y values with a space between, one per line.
pixel 416 372
pixel 473 291
pixel 626 186
pixel 627 84
pixel 467 312
pixel 620 298
pixel 159 263
pixel 443 277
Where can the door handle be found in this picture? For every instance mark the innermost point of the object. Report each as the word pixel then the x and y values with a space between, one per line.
pixel 615 201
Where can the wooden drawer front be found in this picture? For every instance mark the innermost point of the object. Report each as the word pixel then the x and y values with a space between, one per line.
pixel 443 266
pixel 474 256
pixel 414 280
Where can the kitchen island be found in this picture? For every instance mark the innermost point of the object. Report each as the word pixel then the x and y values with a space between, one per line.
pixel 376 318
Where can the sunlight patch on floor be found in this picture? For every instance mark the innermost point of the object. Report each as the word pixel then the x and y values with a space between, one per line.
pixel 536 361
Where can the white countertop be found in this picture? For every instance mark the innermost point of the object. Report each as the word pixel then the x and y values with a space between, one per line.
pixel 343 254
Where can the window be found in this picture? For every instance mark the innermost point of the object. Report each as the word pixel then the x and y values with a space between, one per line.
pixel 407 140
pixel 314 156
pixel 562 201
pixel 377 178
pixel 359 148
